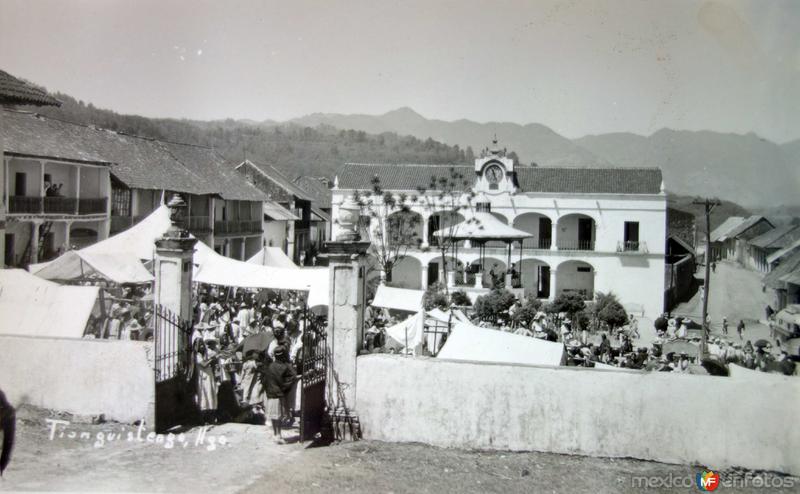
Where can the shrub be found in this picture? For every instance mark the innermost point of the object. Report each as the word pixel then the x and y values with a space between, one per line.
pixel 459 297
pixel 609 310
pixel 435 297
pixel 494 305
pixel 525 314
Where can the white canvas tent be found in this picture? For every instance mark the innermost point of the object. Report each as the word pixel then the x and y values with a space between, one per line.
pixel 138 243
pixel 398 298
pixel 32 306
pixel 473 343
pixel 77 264
pixel 272 256
pixel 407 335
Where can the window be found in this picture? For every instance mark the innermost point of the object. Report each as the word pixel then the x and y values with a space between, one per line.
pixel 631 236
pixel 584 269
pixel 120 201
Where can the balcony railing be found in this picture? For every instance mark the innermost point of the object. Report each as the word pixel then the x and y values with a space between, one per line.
pixel 92 206
pixel 537 243
pixel 24 204
pixel 565 244
pixel 60 205
pixel 197 224
pixel 632 247
pixel 237 226
pixel 56 205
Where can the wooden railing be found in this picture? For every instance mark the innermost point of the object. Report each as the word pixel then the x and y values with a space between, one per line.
pixel 92 206
pixel 197 224
pixel 24 204
pixel 60 205
pixel 237 226
pixel 575 244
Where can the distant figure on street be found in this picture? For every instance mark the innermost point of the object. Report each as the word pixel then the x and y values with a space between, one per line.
pixel 725 325
pixel 740 329
pixel 713 266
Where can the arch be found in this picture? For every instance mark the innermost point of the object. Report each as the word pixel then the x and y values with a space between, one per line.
pixel 576 277
pixel 576 231
pixel 440 220
pixel 404 227
pixel 534 276
pixel 489 263
pixel 537 224
pixel 406 273
pixel 80 236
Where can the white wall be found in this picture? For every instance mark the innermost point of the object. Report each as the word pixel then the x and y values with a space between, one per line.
pixel 675 418
pixel 83 377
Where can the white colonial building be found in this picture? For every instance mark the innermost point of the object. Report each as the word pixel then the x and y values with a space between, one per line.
pixel 588 229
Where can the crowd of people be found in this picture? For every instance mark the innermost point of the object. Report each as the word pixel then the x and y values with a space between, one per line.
pixel 247 351
pixel 123 313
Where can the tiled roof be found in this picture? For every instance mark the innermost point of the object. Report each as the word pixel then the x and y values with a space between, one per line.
pixel 530 179
pixel 788 265
pixel 397 177
pixel 137 162
pixel 777 238
pixel 720 232
pixel 322 215
pixel 746 225
pixel 316 188
pixel 15 91
pixel 788 250
pixel 279 179
pixel 590 180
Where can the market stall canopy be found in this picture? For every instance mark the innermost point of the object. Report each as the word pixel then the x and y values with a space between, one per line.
pixel 406 336
pixel 482 226
pixel 398 298
pixel 473 343
pixel 272 256
pixel 791 314
pixel 78 264
pixel 32 306
pixel 444 315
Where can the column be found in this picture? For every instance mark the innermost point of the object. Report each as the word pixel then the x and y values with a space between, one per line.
pixel 552 294
pixel 35 241
pixel 78 189
pixel 242 249
pixel 346 261
pixel 173 272
pixel 425 218
pixel 67 228
pixel 553 234
pixel 424 276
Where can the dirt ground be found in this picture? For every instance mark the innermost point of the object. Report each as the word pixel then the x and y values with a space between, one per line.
pixel 250 461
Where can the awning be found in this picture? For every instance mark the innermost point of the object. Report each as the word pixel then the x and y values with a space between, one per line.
pixel 32 306
pixel 116 267
pixel 276 212
pixel 482 226
pixel 790 314
pixel 398 298
pixel 793 278
pixel 407 335
pixel 473 343
pixel 319 215
pixel 272 256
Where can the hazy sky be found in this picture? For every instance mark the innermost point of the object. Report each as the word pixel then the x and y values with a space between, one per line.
pixel 580 67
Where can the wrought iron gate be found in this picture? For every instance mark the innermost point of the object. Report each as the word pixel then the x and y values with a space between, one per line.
pixel 315 370
pixel 173 369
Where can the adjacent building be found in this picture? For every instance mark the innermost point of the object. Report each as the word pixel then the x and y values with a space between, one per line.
pixel 730 239
pixel 588 229
pixel 69 185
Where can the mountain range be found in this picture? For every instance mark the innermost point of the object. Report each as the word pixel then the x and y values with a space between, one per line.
pixel 748 169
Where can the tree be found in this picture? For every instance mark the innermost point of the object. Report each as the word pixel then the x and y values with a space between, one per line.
pixel 460 298
pixel 525 314
pixel 435 297
pixel 568 303
pixel 392 227
pixel 609 310
pixel 445 197
pixel 494 305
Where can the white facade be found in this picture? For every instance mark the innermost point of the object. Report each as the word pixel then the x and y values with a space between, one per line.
pixel 578 242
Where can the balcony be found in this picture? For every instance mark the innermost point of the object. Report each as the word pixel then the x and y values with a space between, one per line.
pixel 537 243
pixel 60 205
pixel 198 224
pixel 55 205
pixel 92 206
pixel 24 204
pixel 234 227
pixel 628 247
pixel 566 244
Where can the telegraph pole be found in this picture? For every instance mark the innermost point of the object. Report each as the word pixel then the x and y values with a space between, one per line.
pixel 709 205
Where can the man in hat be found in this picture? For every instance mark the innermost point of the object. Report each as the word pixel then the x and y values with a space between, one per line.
pixel 278 378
